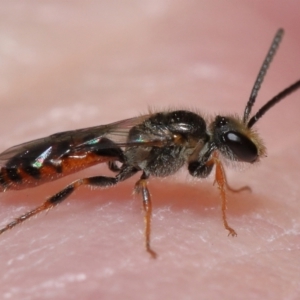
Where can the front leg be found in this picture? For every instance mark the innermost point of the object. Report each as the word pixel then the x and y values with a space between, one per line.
pixel 202 170
pixel 220 179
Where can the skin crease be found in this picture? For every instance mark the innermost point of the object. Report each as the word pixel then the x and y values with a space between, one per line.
pixel 66 66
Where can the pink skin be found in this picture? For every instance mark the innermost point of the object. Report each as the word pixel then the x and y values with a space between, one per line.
pixel 67 66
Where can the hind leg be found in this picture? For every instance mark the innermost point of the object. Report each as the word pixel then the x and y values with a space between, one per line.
pixel 97 181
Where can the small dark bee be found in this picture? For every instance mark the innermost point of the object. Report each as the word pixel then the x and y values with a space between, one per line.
pixel 157 144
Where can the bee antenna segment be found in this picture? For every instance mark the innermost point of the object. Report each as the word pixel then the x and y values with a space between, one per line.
pixel 272 102
pixel 262 72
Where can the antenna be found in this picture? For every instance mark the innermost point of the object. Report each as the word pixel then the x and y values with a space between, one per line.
pixel 272 102
pixel 262 73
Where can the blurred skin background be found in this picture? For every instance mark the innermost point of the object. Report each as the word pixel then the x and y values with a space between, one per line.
pixel 69 65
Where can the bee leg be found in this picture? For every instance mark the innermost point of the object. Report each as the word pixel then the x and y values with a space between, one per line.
pixel 97 181
pixel 241 189
pixel 141 187
pixel 220 179
pixel 203 169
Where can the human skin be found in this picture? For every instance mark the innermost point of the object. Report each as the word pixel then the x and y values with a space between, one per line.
pixel 68 66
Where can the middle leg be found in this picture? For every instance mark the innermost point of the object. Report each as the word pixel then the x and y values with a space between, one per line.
pixel 141 187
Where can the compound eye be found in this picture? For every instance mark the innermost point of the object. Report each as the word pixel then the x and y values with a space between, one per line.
pixel 241 146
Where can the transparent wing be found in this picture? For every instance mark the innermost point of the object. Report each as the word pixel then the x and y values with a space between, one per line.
pixel 78 142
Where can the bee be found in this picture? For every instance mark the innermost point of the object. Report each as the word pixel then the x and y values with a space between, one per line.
pixel 156 144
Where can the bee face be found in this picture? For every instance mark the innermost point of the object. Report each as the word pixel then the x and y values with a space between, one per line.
pixel 235 141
